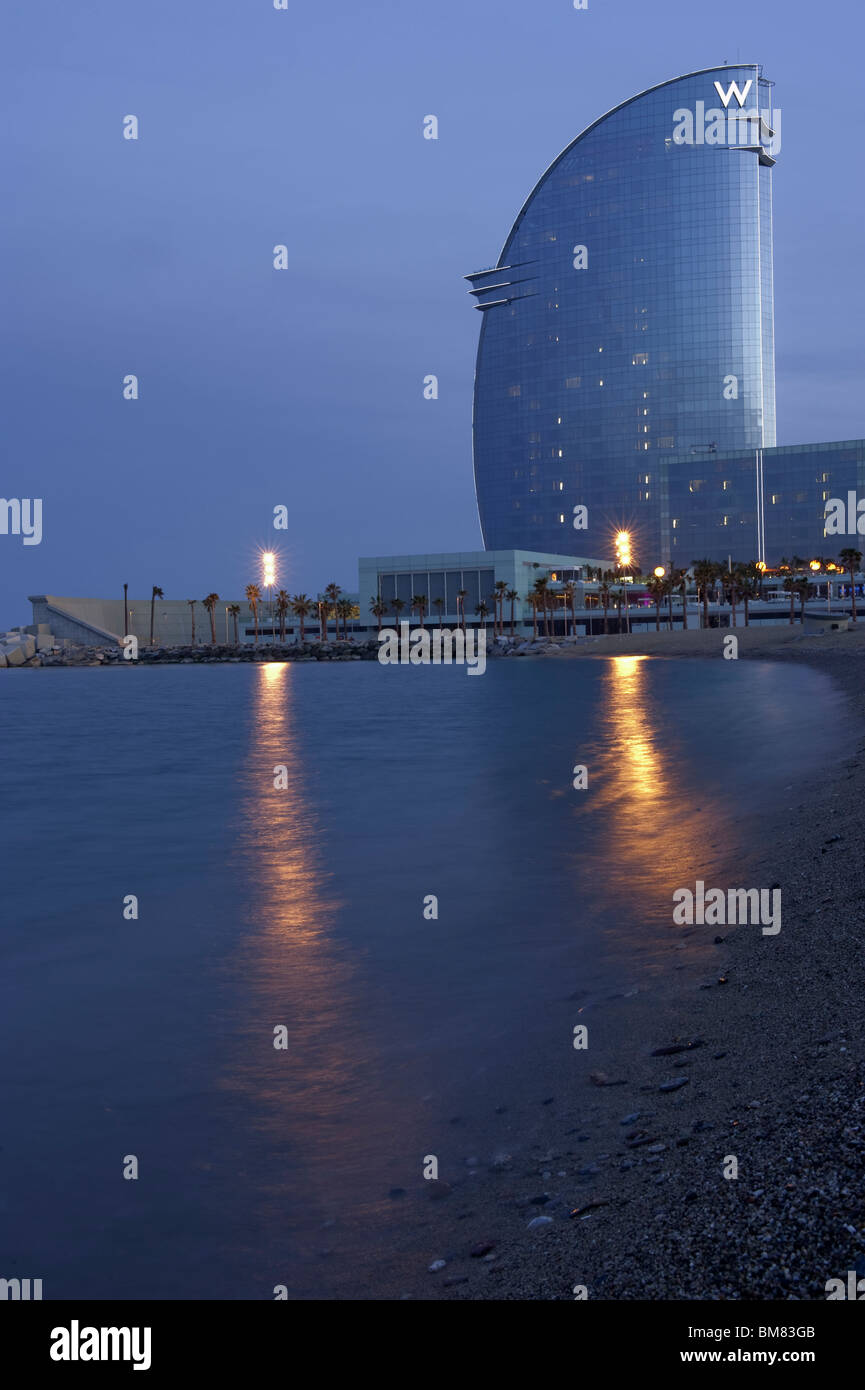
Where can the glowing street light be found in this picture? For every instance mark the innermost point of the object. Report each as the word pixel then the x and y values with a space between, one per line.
pixel 660 571
pixel 268 562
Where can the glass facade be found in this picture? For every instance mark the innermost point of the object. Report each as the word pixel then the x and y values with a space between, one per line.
pixel 629 320
pixel 766 504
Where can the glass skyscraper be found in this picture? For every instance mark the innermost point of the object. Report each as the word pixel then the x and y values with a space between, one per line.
pixel 629 320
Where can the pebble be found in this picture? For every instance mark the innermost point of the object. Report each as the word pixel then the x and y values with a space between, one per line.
pixel 630 1119
pixel 674 1085
pixel 482 1248
pixel 436 1266
pixel 539 1221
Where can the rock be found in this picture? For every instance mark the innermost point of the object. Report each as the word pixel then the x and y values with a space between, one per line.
pixel 677 1047
pixel 590 1206
pixel 538 1222
pixel 674 1085
pixel 630 1119
pixel 482 1248
pixel 436 1266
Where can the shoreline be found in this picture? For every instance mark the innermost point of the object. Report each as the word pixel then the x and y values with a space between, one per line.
pixel 754 641
pixel 778 1082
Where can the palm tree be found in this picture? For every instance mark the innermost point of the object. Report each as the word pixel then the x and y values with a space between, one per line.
pixel 482 610
pixel 542 590
pixel 210 604
pixel 657 588
pixel 748 579
pixel 192 602
pixel 790 585
pixel 283 606
pixel 378 608
pixel 462 595
pixel 439 605
pixel 253 598
pixel 851 560
pixel 533 600
pixel 804 590
pixel 731 589
pixel 345 609
pixel 301 607
pixel 605 594
pixel 569 594
pixel 512 597
pixel 332 593
pixel 397 604
pixel 705 574
pixel 234 609
pixel 419 603
pixel 323 607
pixel 500 590
pixel 157 593
pixel 681 582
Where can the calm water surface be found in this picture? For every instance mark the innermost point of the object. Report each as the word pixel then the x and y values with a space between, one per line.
pixel 302 908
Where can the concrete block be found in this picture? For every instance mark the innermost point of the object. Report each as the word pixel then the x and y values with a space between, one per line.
pixel 14 655
pixel 2 658
pixel 44 642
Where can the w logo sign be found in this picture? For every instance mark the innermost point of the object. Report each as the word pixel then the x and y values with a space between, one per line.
pixel 733 90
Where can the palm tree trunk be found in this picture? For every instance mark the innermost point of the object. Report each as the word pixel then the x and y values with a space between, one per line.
pixel 152 602
pixel 658 616
pixel 745 605
pixel 853 593
pixel 684 610
pixel 705 605
pixel 512 617
pixel 792 607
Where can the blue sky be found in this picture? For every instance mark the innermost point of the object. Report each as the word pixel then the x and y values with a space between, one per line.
pixel 304 387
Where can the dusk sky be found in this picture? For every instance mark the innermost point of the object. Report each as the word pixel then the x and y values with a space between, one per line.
pixel 304 387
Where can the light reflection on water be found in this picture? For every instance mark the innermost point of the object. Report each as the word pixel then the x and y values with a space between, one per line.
pixel 302 907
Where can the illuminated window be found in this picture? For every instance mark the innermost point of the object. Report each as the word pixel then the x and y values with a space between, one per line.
pixel 601 382
pixel 561 518
pixel 675 522
pixel 515 390
pixel 560 454
pixel 639 359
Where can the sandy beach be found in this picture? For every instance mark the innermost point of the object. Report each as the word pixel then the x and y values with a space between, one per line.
pixel 774 1079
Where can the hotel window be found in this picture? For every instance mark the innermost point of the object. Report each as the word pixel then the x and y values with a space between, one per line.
pixel 560 454
pixel 561 518
pixel 775 498
pixel 601 382
pixel 515 390
pixel 695 484
pixel 666 442
pixel 724 485
pixel 572 381
pixel 675 522
pixel 639 359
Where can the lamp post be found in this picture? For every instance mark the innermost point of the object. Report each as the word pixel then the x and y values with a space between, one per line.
pixel 624 562
pixel 125 611
pixel 268 561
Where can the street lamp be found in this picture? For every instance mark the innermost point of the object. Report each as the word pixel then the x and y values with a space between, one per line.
pixel 268 561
